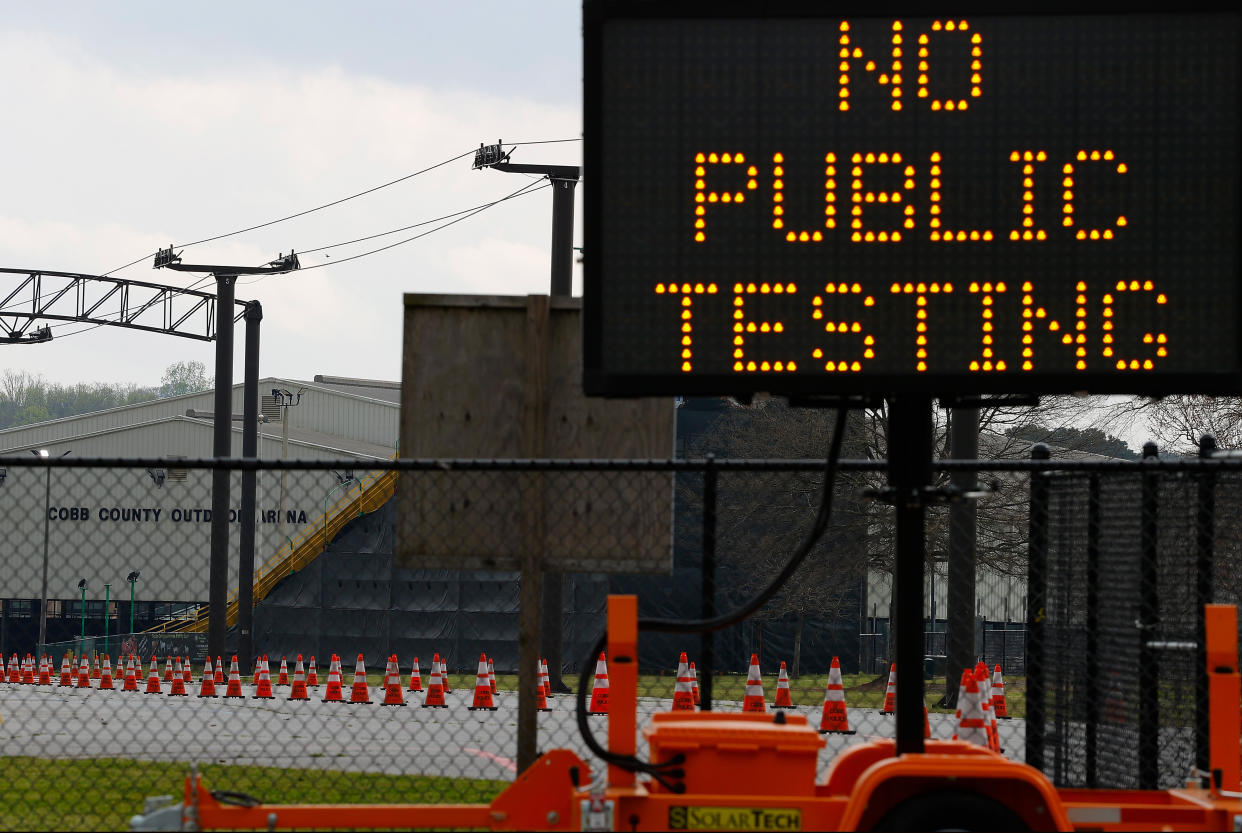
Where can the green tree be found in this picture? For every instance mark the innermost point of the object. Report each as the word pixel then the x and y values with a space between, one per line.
pixel 181 378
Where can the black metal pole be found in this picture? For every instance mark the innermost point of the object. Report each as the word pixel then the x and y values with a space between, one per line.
pixel 221 447
pixel 552 603
pixel 1205 538
pixel 910 449
pixel 250 450
pixel 1149 630
pixel 1036 601
pixel 963 519
pixel 1093 627
pixel 707 610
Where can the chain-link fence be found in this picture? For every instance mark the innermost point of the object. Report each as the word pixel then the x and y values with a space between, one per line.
pixel 108 572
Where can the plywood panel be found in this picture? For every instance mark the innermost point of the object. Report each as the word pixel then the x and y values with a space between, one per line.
pixel 489 377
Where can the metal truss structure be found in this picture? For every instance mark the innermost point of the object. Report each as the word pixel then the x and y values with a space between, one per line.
pixel 94 299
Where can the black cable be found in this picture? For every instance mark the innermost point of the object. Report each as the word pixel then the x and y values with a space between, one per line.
pixel 820 525
pixel 330 204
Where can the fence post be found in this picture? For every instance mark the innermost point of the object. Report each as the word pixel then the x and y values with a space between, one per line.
pixel 707 609
pixel 1036 595
pixel 1149 623
pixel 1093 625
pixel 1205 537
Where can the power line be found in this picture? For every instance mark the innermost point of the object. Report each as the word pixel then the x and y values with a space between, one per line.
pixel 523 191
pixel 334 202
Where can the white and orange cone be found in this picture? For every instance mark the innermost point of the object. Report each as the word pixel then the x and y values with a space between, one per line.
pixel 482 689
pixel 544 682
pixel 298 691
pixel 263 686
pixel 599 691
pixel 694 683
pixel 234 688
pixel 491 676
pixel 361 692
pixel 283 679
pixel 66 672
pixel 999 707
pixel 683 690
pixel 153 678
pixel 207 685
pixel 131 676
pixel 783 698
pixel 416 678
pixel 105 675
pixel 335 690
pixel 972 726
pixel 84 674
pixel 312 674
pixel 890 692
pixel 45 671
pixel 835 719
pixel 392 684
pixel 434 698
pixel 753 701
pixel 168 669
pixel 444 680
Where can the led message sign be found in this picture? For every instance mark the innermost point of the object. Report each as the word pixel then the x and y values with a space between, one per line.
pixel 951 203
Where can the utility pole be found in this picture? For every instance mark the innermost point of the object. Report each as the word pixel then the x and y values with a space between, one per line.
pixel 226 278
pixel 285 400
pixel 539 585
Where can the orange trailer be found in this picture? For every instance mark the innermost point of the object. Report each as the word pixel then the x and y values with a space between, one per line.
pixel 758 772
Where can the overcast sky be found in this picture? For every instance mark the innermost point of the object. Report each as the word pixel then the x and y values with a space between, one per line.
pixel 129 126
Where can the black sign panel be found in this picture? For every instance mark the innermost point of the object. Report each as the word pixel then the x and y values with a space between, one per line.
pixel 805 203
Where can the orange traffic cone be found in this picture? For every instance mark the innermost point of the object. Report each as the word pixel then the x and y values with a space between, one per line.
pixel 168 669
pixel 416 679
pixel 153 678
pixel 105 676
pixel 972 726
pixel 45 671
pixel 683 690
pixel 188 672
pixel 444 680
pixel 392 684
pixel 435 688
pixel 177 689
pixel 361 692
pixel 283 679
pixel 482 689
pixel 835 719
pixel 299 692
pixel 234 689
pixel 890 693
pixel 491 675
pixel 753 701
pixel 219 679
pixel 545 684
pixel 66 672
pixel 783 699
pixel 312 674
pixel 131 676
pixel 334 692
pixel 961 698
pixel 95 672
pixel 207 685
pixel 15 673
pixel 999 707
pixel 541 699
pixel 694 683
pixel 984 681
pixel 263 688
pixel 599 691
pixel 178 673
pixel 84 674
pixel 28 670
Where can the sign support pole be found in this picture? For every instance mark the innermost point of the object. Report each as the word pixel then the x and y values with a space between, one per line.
pixel 910 448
